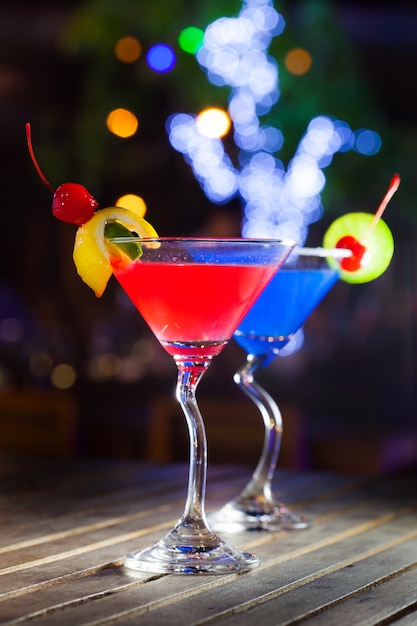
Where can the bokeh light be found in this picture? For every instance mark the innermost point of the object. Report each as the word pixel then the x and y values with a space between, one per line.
pixel 133 203
pixel 11 329
pixel 190 39
pixel 161 58
pixel 122 123
pixel 367 142
pixel 298 61
pixel 63 376
pixel 213 123
pixel 128 49
pixel 102 367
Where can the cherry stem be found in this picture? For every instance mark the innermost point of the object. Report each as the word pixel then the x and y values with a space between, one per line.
pixel 34 161
pixel 394 184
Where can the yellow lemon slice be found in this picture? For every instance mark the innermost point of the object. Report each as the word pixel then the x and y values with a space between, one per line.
pixel 91 252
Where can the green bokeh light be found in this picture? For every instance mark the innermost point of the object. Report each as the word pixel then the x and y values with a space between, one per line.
pixel 191 39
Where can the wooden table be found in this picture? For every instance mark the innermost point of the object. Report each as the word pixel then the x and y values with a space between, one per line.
pixel 66 524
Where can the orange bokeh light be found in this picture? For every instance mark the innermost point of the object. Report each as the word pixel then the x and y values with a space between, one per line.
pixel 133 203
pixel 298 61
pixel 122 123
pixel 128 49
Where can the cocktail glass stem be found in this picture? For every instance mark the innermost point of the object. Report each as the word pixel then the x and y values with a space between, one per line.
pixel 189 375
pixel 257 492
pixel 256 507
pixel 192 546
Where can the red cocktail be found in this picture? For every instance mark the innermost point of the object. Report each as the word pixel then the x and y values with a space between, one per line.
pixel 193 293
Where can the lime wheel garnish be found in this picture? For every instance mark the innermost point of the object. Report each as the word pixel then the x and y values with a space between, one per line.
pixel 367 237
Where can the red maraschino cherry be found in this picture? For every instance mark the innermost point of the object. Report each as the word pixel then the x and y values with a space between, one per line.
pixel 354 262
pixel 71 202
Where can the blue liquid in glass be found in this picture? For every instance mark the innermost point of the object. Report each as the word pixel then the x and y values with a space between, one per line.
pixel 282 309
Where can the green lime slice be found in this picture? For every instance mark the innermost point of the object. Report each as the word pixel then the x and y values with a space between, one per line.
pixel 115 229
pixel 379 245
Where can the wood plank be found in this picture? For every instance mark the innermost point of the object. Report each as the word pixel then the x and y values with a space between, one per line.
pixel 380 601
pixel 408 620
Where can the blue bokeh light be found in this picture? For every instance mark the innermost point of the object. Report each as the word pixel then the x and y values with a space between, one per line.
pixel 161 58
pixel 367 142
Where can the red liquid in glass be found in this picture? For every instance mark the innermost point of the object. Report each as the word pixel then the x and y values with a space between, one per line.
pixel 199 305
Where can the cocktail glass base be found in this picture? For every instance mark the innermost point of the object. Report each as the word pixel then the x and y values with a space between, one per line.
pixel 189 551
pixel 253 516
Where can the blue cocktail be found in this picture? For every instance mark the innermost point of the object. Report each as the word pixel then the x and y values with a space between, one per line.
pixel 283 308
pixel 271 323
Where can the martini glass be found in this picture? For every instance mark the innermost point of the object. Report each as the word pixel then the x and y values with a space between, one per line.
pixel 271 323
pixel 193 293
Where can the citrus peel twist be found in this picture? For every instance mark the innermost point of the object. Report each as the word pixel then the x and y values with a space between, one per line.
pixel 93 252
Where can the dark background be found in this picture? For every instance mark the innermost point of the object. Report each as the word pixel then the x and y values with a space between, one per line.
pixel 351 389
